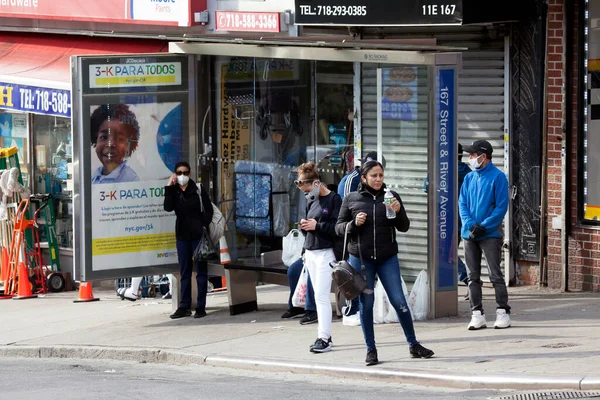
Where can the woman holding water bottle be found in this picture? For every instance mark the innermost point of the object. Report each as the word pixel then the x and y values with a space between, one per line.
pixel 374 214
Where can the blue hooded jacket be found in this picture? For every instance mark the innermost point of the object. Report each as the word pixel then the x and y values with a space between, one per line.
pixel 484 200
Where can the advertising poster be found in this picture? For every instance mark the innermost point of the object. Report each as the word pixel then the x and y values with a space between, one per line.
pixel 400 97
pixel 134 118
pixel 235 132
pixel 134 150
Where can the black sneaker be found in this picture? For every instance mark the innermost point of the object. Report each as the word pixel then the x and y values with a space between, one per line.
pixel 310 317
pixel 418 351
pixel 200 313
pixel 293 312
pixel 180 313
pixel 372 358
pixel 321 346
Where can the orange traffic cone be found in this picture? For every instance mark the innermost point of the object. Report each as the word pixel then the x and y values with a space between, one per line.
pixel 24 286
pixel 225 257
pixel 4 267
pixel 85 293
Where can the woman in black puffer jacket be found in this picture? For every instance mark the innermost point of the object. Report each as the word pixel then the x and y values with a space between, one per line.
pixel 182 195
pixel 370 229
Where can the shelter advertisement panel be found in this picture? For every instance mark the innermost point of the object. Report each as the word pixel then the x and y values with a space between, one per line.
pixel 132 116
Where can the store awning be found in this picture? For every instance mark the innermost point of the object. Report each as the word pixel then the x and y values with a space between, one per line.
pixel 44 60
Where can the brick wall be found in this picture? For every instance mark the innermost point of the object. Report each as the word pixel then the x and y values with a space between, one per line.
pixel 584 247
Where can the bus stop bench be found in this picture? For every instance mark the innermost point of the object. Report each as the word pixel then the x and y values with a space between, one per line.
pixel 243 275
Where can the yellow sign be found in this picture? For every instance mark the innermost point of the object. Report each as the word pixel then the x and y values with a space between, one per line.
pixel 132 244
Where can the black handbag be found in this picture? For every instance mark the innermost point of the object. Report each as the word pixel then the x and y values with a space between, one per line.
pixel 205 249
pixel 348 281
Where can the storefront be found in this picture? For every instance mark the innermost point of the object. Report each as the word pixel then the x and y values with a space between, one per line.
pixel 35 115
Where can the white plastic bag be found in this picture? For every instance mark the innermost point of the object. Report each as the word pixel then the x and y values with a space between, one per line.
pixel 418 300
pixel 299 297
pixel 292 247
pixel 381 305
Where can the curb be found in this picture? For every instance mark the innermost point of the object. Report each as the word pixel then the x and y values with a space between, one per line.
pixel 414 377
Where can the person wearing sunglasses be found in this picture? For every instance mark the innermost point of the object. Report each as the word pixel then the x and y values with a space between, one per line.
pixel 182 195
pixel 322 209
pixel 375 233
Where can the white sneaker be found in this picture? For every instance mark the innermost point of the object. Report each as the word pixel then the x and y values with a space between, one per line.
pixel 477 321
pixel 352 320
pixel 502 319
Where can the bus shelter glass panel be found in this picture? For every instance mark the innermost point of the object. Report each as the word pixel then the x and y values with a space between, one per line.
pixel 271 116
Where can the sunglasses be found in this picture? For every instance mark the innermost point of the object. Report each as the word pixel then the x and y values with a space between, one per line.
pixel 302 183
pixel 186 173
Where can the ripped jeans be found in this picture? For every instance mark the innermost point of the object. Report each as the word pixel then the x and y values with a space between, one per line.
pixel 389 275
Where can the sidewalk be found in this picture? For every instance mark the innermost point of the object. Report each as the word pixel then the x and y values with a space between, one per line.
pixel 554 341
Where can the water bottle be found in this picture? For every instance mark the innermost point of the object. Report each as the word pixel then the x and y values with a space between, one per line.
pixel 388 198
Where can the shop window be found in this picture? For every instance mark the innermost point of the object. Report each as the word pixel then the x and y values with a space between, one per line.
pixel 271 116
pixel 591 139
pixel 14 133
pixel 53 152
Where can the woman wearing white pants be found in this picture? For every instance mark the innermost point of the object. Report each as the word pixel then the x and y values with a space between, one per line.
pixel 322 209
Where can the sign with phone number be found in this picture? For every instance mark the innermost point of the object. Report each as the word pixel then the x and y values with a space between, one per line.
pixel 247 21
pixel 35 99
pixel 383 12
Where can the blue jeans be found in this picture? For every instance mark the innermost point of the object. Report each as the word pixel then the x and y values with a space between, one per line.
pixel 293 273
pixel 463 276
pixel 185 251
pixel 389 275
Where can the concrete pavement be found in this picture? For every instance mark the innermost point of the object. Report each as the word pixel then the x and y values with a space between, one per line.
pixel 554 342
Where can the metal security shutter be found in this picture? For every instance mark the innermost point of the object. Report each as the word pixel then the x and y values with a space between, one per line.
pixel 481 116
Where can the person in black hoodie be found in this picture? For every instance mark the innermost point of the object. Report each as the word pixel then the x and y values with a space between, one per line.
pixel 182 195
pixel 370 229
pixel 322 209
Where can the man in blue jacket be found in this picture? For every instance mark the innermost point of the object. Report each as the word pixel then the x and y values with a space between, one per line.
pixel 483 202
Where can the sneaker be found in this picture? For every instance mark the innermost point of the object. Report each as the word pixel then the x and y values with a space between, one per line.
pixel 466 296
pixel 418 351
pixel 310 317
pixel 477 321
pixel 321 346
pixel 180 313
pixel 293 312
pixel 330 341
pixel 200 313
pixel 502 319
pixel 129 295
pixel 351 320
pixel 167 296
pixel 372 358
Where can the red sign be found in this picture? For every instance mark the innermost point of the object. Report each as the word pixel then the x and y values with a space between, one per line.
pixel 146 12
pixel 247 21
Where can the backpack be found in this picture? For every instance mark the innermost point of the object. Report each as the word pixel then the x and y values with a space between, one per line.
pixel 216 228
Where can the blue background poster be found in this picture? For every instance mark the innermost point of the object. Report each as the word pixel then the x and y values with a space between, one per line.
pixel 400 96
pixel 446 164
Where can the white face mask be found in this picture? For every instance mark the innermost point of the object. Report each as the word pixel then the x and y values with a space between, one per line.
pixel 475 163
pixel 183 180
pixel 314 193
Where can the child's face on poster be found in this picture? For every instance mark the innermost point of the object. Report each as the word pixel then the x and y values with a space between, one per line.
pixel 113 145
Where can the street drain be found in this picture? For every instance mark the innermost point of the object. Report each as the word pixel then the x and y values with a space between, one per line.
pixel 572 394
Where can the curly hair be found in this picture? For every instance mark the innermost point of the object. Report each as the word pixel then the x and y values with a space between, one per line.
pixel 121 112
pixel 309 170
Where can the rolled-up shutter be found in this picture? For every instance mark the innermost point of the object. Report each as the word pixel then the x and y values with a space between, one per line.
pixel 481 116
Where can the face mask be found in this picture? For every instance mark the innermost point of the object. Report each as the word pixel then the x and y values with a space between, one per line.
pixel 183 180
pixel 474 163
pixel 314 193
pixel 166 139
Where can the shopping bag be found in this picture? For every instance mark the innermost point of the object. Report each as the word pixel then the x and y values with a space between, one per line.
pixel 292 247
pixel 381 305
pixel 205 249
pixel 299 296
pixel 418 300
